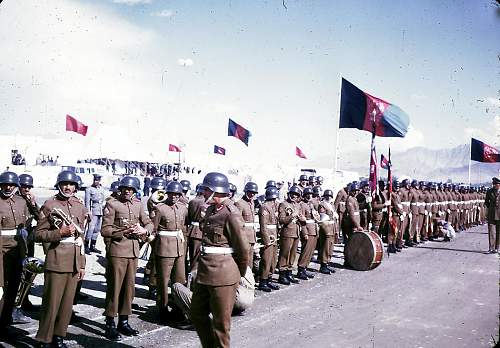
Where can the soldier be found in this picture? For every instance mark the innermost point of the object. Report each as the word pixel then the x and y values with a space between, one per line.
pixel 268 219
pixel 379 207
pixel 303 182
pixel 351 219
pixel 492 203
pixel 319 182
pixel 316 196
pixel 395 240
pixel 308 235
pixel 196 211
pixel 94 202
pixel 404 193
pixel 413 198
pixel 25 186
pixel 365 207
pixel 169 221
pixel 61 225
pixel 328 229
pixel 222 263
pixel 247 209
pixel 432 200
pixel 289 217
pixel 186 187
pixel 125 223
pixel 13 212
pixel 233 190
pixel 312 181
pixel 339 205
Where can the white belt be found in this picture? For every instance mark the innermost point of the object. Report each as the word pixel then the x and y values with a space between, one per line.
pixel 343 203
pixel 384 210
pixel 9 232
pixel 328 222
pixel 356 213
pixel 310 221
pixel 364 210
pixel 405 203
pixel 414 204
pixel 68 240
pixel 400 206
pixel 249 224
pixel 194 223
pixel 216 250
pixel 271 227
pixel 169 233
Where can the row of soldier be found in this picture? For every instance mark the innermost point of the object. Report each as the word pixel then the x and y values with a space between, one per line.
pixel 181 234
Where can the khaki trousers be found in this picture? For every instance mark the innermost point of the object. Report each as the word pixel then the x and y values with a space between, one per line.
pixel 120 291
pixel 494 234
pixel 169 268
pixel 325 247
pixel 268 258
pixel 218 300
pixel 288 252
pixel 57 303
pixel 307 250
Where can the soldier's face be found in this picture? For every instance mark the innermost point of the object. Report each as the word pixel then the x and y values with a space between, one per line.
pixel 68 188
pixel 173 197
pixel 127 192
pixel 307 197
pixel 7 189
pixel 250 195
pixel 294 197
pixel 25 190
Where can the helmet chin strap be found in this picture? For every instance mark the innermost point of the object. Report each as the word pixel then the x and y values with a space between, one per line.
pixel 64 194
pixel 210 198
pixel 9 195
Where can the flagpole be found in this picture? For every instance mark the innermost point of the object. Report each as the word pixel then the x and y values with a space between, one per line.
pixel 470 155
pixel 338 130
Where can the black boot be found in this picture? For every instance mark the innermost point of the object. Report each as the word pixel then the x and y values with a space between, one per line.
pixel 124 327
pixel 75 319
pixel 18 316
pixel 324 269
pixel 301 274
pixel 309 275
pixel 58 342
pixel 291 278
pixel 391 249
pixel 93 248
pixel 87 247
pixel 111 333
pixel 153 293
pixel 263 286
pixel 43 345
pixel 271 285
pixel 283 279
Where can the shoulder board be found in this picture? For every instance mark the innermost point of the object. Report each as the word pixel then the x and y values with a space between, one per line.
pixel 232 208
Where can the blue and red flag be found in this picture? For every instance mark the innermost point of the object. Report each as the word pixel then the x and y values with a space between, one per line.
pixel 482 152
pixel 384 163
pixel 363 111
pixel 239 132
pixel 219 150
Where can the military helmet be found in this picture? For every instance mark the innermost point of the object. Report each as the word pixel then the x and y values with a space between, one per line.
pixel 307 190
pixel 414 183
pixel 396 184
pixel 186 185
pixel 421 183
pixel 251 187
pixel 319 180
pixel 353 186
pixel 80 181
pixel 328 193
pixel 158 183
pixel 216 182
pixel 295 189
pixel 174 187
pixel 114 186
pixel 9 178
pixel 271 193
pixel 303 177
pixel 363 183
pixel 316 190
pixel 232 188
pixel 26 180
pixel 271 183
pixel 312 179
pixel 68 176
pixel 405 182
pixel 130 182
pixel 199 188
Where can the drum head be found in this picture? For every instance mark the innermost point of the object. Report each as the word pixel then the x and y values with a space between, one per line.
pixel 359 252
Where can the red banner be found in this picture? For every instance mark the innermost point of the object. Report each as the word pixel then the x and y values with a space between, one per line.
pixel 73 125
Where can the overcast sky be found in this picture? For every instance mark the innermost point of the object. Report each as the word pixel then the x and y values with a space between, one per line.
pixel 145 73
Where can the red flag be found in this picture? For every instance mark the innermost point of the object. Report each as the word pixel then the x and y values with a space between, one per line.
pixel 373 169
pixel 384 163
pixel 73 125
pixel 174 148
pixel 299 153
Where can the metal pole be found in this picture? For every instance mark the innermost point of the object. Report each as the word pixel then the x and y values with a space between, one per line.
pixel 470 155
pixel 338 131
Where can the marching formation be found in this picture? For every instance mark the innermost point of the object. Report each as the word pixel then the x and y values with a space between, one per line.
pixel 207 253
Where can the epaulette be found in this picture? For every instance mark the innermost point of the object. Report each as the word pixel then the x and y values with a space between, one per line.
pixel 233 209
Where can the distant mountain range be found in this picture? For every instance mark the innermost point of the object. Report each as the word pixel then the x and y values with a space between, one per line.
pixel 424 164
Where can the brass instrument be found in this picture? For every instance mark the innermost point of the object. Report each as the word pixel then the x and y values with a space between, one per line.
pixel 316 215
pixel 57 217
pixel 32 266
pixel 159 196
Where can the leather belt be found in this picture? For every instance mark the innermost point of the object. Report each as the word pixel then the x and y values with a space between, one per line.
pixel 9 232
pixel 216 250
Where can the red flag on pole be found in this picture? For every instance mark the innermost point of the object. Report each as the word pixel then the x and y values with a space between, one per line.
pixel 373 169
pixel 73 125
pixel 174 148
pixel 299 153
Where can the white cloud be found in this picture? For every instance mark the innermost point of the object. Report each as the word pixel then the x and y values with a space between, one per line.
pixel 132 2
pixel 494 102
pixel 416 96
pixel 185 62
pixel 164 13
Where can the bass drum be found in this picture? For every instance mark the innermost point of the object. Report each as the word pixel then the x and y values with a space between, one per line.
pixel 364 251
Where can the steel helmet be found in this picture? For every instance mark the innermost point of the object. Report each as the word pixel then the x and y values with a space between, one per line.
pixel 158 183
pixel 303 177
pixel 251 187
pixel 130 182
pixel 67 176
pixel 353 186
pixel 186 185
pixel 271 193
pixel 328 193
pixel 216 182
pixel 271 183
pixel 295 189
pixel 174 187
pixel 319 180
pixel 9 178
pixel 26 180
pixel 316 190
pixel 114 186
pixel 307 190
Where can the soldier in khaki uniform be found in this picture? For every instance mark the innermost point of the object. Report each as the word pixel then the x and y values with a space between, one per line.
pixel 379 207
pixel 351 219
pixel 413 198
pixel 13 214
pixel 169 221
pixel 222 263
pixel 328 228
pixel 339 205
pixel 365 205
pixel 65 258
pixel 125 223
pixel 308 235
pixel 492 203
pixel 395 241
pixel 268 219
pixel 196 211
pixel 247 208
pixel 289 217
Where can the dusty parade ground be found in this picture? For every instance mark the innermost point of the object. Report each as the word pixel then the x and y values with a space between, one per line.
pixel 435 295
